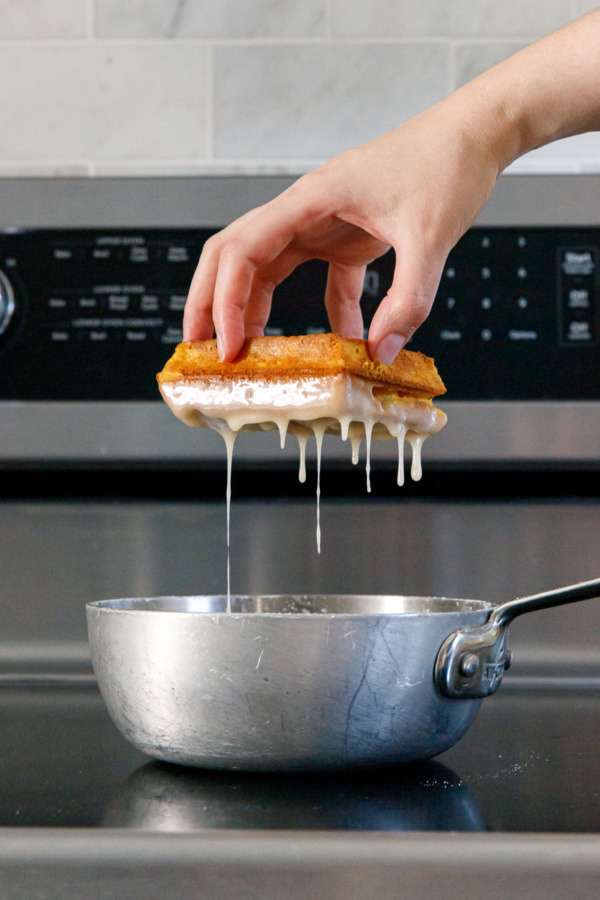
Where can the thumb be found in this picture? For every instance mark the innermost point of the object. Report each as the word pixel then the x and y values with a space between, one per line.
pixel 408 301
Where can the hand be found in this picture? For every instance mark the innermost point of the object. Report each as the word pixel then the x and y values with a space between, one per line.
pixel 396 191
pixel 416 189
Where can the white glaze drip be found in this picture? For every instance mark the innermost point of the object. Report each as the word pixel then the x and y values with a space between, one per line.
pixel 416 441
pixel 345 405
pixel 355 442
pixel 345 426
pixel 282 425
pixel 369 436
pixel 302 438
pixel 229 437
pixel 319 434
pixel 400 438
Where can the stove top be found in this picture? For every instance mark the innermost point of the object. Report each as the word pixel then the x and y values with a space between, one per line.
pixel 530 763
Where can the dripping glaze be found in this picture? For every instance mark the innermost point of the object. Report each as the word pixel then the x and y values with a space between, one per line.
pixel 345 405
pixel 319 429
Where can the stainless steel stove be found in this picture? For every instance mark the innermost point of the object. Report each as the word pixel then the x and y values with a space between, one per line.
pixel 105 496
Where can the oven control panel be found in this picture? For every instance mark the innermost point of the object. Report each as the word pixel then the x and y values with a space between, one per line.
pixel 89 314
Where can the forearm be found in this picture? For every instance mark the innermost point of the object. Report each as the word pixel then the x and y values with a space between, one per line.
pixel 547 91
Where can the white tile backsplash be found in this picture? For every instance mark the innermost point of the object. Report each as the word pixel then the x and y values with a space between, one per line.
pixel 209 18
pixel 448 18
pixel 584 6
pixel 473 59
pixel 43 19
pixel 102 101
pixel 44 170
pixel 194 86
pixel 327 97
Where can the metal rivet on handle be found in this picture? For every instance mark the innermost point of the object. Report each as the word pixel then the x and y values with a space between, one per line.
pixel 468 665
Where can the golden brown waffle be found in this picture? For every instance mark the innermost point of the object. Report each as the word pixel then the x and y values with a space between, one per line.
pixel 306 356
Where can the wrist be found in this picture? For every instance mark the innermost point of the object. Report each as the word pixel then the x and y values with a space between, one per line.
pixel 486 115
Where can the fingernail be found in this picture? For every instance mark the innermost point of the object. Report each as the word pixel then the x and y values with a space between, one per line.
pixel 388 349
pixel 220 349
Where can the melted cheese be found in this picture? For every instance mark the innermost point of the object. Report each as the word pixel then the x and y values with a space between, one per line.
pixel 347 405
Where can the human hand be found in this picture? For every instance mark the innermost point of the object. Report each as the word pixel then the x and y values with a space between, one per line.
pixel 416 189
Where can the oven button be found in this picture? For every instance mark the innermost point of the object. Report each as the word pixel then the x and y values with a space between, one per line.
pixel 7 302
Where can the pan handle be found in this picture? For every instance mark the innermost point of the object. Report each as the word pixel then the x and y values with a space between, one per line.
pixel 470 664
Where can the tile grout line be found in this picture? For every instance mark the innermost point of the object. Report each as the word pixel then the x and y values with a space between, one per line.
pixel 285 42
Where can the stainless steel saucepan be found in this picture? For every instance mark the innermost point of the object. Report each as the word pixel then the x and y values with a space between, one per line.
pixel 284 683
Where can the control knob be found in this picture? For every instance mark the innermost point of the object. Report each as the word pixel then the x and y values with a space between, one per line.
pixel 7 302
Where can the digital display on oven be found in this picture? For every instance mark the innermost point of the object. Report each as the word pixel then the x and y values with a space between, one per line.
pixel 93 314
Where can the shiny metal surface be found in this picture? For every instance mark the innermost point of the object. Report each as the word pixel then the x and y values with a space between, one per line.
pixel 471 663
pixel 477 432
pixel 258 866
pixel 209 201
pixel 308 684
pixel 305 682
pixel 424 797
pixel 58 555
pixel 314 605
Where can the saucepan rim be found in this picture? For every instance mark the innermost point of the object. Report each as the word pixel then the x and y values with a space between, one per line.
pixel 174 604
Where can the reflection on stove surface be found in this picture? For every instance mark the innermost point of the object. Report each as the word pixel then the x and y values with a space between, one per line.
pixel 421 797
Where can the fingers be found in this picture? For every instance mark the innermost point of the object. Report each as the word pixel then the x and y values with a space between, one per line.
pixel 198 320
pixel 342 299
pixel 408 301
pixel 197 315
pixel 232 287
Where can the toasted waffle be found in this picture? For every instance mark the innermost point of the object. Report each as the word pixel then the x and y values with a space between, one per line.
pixel 320 383
pixel 305 356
